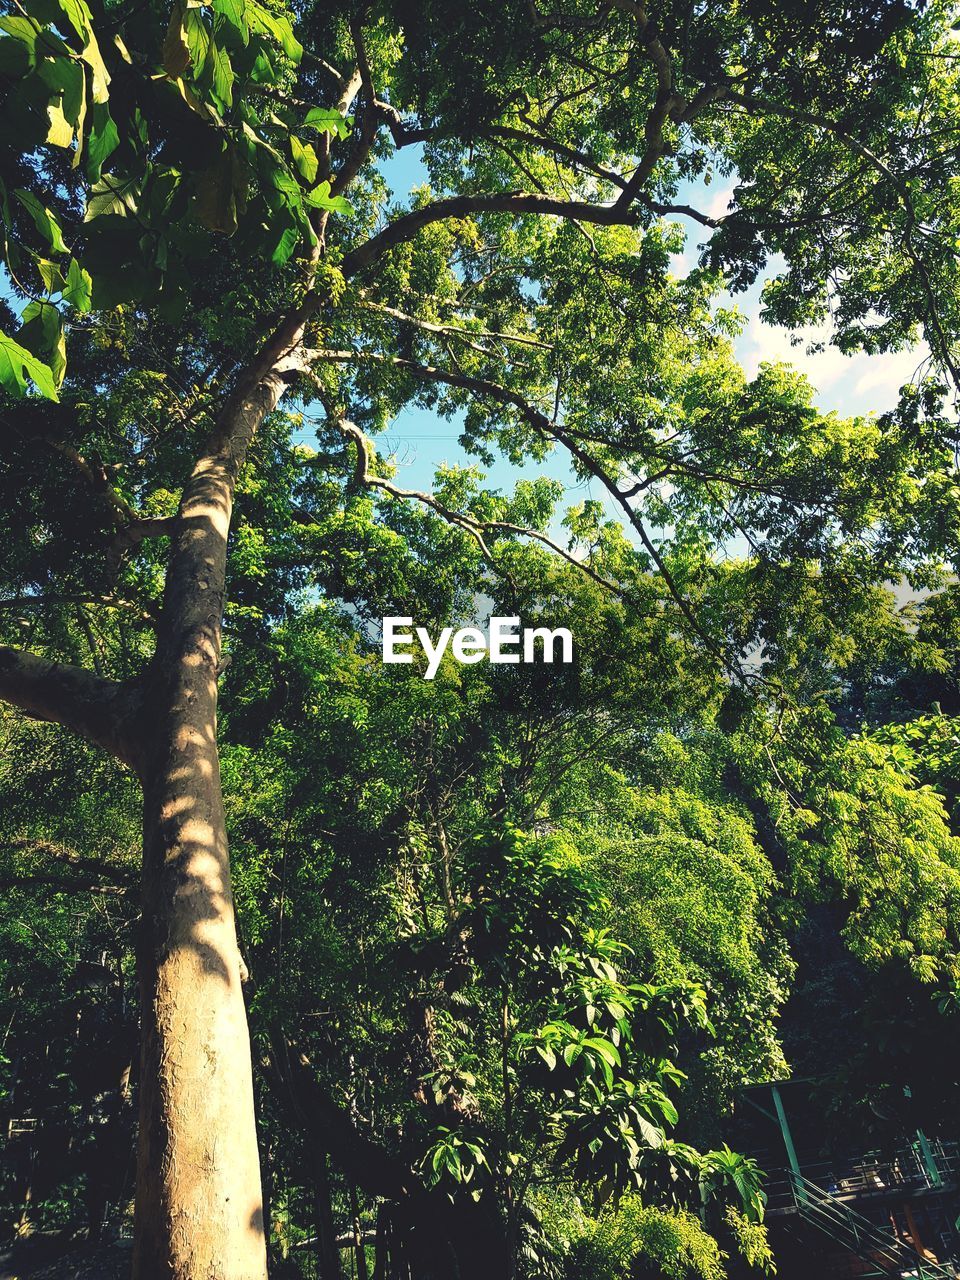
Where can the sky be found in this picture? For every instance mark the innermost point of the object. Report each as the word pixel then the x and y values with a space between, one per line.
pixel 419 441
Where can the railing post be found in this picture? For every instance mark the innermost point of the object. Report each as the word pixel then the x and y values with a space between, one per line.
pixel 929 1163
pixel 796 1178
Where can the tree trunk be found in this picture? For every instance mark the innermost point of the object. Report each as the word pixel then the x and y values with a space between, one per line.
pixel 328 1254
pixel 199 1210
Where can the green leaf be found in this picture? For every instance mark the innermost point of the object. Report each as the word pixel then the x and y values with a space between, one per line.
pixel 263 70
pixel 305 159
pixel 285 245
pixel 234 12
pixel 68 105
pixel 327 120
pixel 102 141
pixel 18 51
pixel 176 49
pixel 320 198
pixel 17 364
pixel 23 29
pixel 100 76
pixel 42 332
pixel 114 195
pixel 78 15
pixel 43 219
pixel 549 1057
pixel 198 37
pixel 220 70
pixel 78 290
pixel 603 1049
pixel 283 181
pixel 50 274
pixel 278 28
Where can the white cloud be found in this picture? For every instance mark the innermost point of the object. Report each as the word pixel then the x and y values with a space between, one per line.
pixel 849 384
pixel 720 201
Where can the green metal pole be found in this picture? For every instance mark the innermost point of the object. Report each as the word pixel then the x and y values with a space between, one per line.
pixel 791 1150
pixel 930 1164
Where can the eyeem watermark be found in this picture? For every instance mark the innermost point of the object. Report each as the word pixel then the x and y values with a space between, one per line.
pixel 502 642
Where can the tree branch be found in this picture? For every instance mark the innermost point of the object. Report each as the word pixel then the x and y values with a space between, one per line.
pixel 97 709
pixel 131 535
pixel 472 524
pixel 76 873
pixel 544 426
pixel 143 612
pixel 455 330
pixel 115 873
pixel 518 203
pixel 368 127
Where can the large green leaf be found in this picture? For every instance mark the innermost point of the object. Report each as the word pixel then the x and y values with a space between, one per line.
pixel 305 159
pixel 78 286
pixel 113 194
pixel 68 105
pixel 327 120
pixel 43 334
pixel 43 219
pixel 321 198
pixel 102 141
pixel 17 365
pixel 278 27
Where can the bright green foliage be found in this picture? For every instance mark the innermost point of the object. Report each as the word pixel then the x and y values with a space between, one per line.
pixel 751 1241
pixel 636 1240
pixel 693 890
pixel 867 828
pixel 190 143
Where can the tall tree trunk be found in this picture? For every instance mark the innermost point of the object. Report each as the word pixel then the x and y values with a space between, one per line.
pixel 360 1251
pixel 328 1254
pixel 199 1210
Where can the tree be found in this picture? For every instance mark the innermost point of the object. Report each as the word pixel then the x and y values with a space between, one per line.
pixel 205 162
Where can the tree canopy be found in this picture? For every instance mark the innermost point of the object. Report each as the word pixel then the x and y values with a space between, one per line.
pixel 508 941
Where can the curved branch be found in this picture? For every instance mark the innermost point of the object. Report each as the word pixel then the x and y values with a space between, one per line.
pixel 94 869
pixel 546 427
pixel 472 524
pixel 457 331
pixel 141 611
pixel 518 203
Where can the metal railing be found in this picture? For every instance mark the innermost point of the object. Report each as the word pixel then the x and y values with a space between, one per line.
pixel 872 1175
pixel 835 1218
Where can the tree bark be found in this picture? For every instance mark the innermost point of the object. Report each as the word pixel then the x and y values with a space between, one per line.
pixel 100 710
pixel 199 1210
pixel 328 1254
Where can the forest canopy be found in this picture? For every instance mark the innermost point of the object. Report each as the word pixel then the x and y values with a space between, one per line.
pixel 305 961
